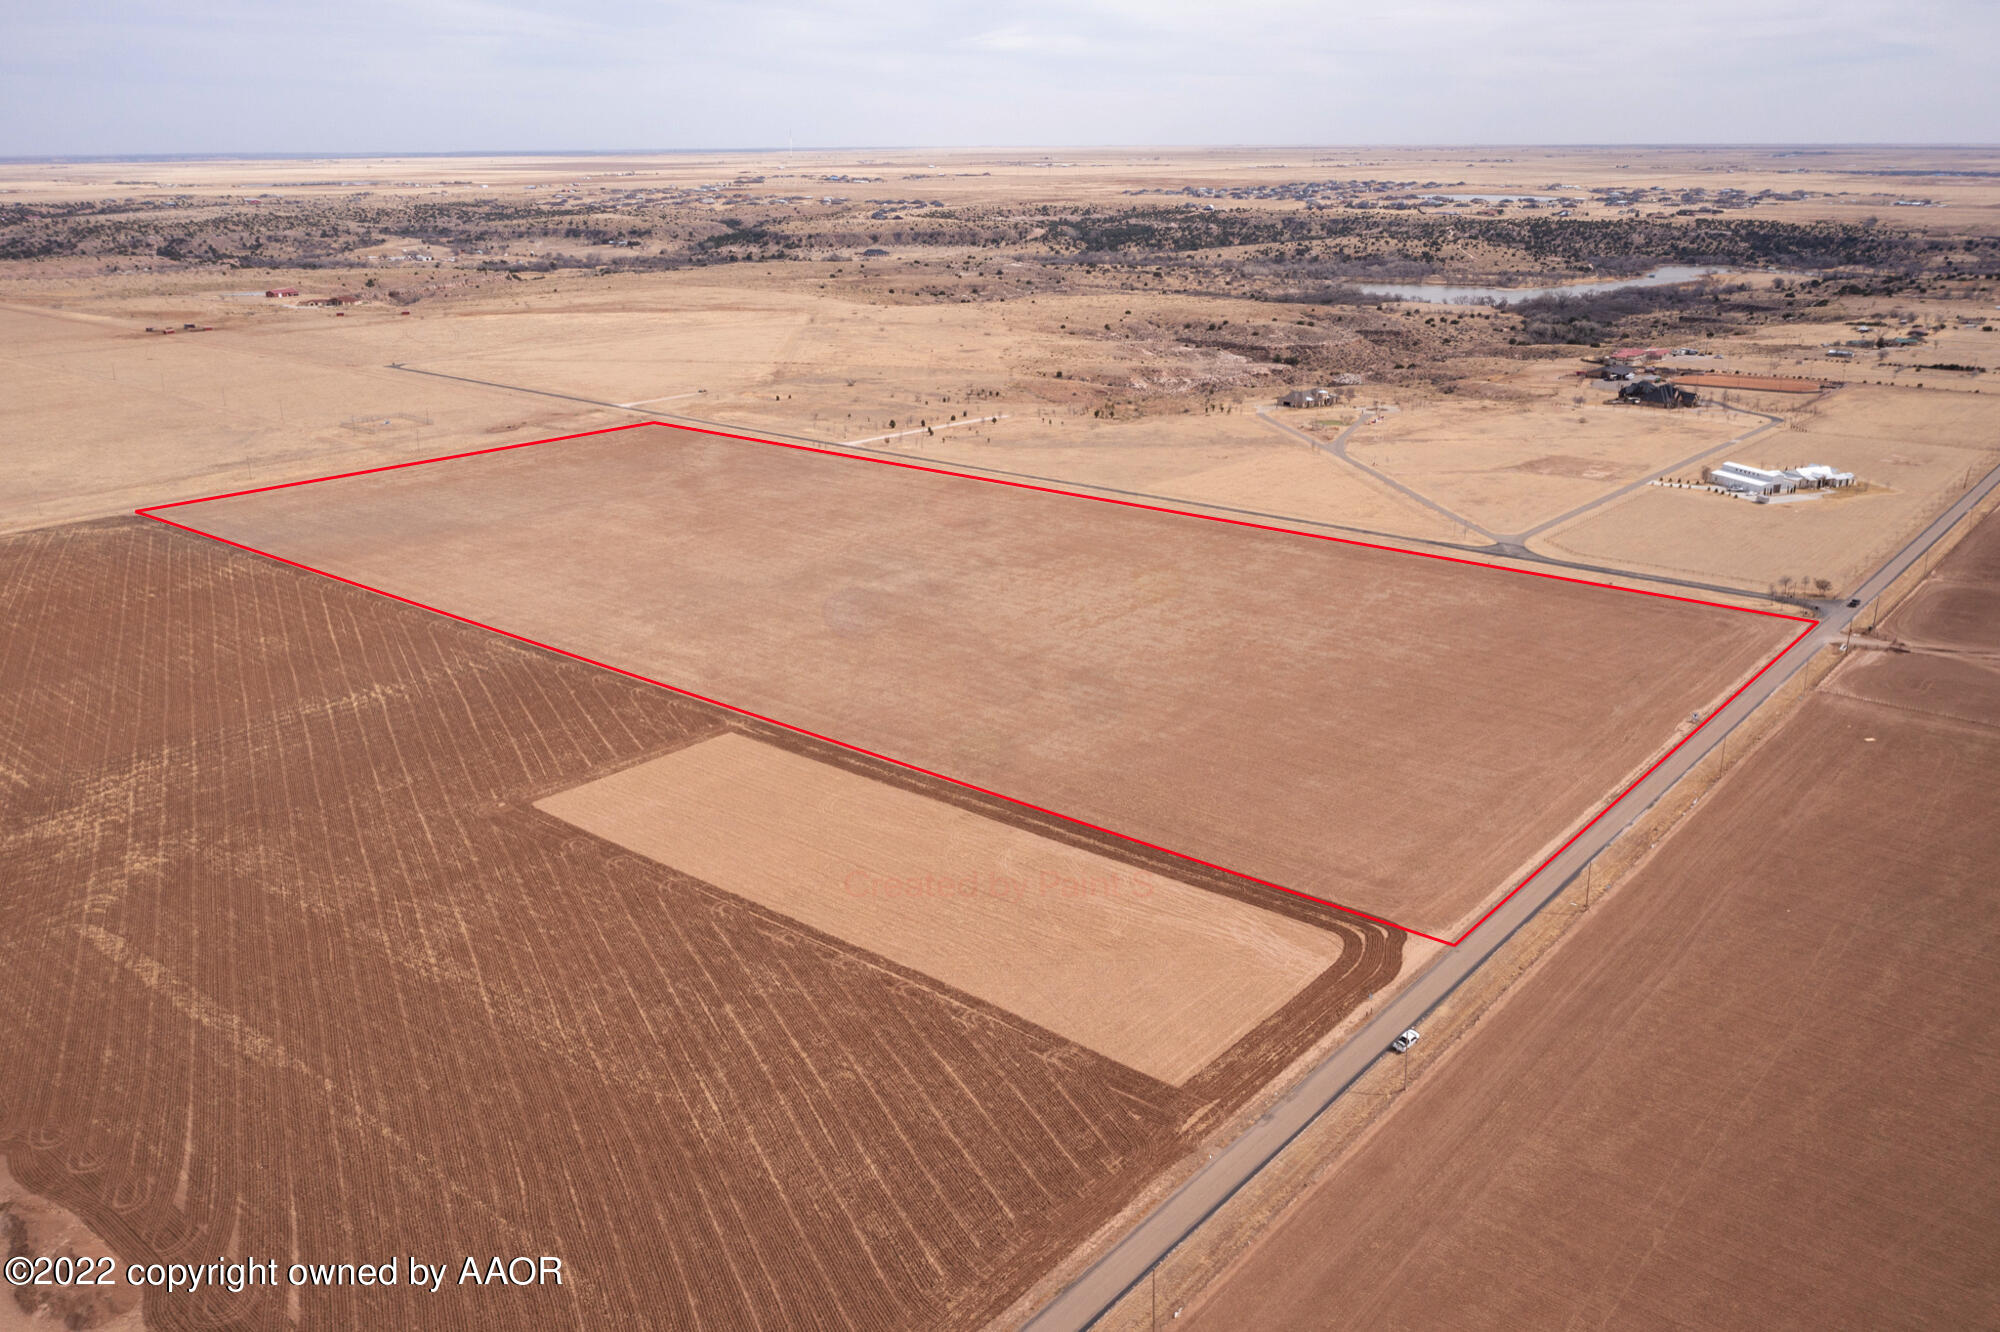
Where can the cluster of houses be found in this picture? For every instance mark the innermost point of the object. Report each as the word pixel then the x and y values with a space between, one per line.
pixel 1911 337
pixel 1400 195
pixel 1743 479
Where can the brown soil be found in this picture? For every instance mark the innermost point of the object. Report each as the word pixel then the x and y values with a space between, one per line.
pixel 1975 560
pixel 1563 464
pixel 1958 607
pixel 293 969
pixel 1749 1092
pixel 1141 968
pixel 34 1228
pixel 1399 734
pixel 1964 616
pixel 1946 686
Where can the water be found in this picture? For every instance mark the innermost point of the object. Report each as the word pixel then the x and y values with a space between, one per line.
pixel 1437 294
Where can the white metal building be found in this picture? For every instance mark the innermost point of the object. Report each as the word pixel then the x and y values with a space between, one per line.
pixel 1747 480
pixel 1752 480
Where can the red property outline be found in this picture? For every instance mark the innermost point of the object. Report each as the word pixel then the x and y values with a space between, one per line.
pixel 153 512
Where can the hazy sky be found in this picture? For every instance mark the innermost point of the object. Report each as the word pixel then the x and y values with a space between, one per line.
pixel 168 76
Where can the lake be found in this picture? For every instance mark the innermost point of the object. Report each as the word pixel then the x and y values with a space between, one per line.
pixel 1438 294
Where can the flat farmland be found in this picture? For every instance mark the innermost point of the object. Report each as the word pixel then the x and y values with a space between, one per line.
pixel 104 416
pixel 1967 617
pixel 294 967
pixel 1156 974
pixel 1762 1075
pixel 1958 607
pixel 1399 735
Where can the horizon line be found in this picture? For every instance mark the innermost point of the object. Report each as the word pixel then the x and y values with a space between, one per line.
pixel 281 155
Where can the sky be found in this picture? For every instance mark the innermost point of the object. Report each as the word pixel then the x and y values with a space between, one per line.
pixel 107 77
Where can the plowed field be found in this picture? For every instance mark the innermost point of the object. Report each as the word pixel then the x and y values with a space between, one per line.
pixel 293 969
pixel 1154 973
pixel 1400 735
pixel 1957 610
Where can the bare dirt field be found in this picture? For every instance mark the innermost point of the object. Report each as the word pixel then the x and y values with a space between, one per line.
pixel 1966 617
pixel 1953 669
pixel 1957 609
pixel 1161 976
pixel 1396 734
pixel 1752 1091
pixel 1948 686
pixel 104 416
pixel 294 969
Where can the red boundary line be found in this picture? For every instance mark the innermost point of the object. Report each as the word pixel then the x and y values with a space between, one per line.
pixel 152 511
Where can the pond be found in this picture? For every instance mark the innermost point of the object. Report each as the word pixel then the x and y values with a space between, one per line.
pixel 1439 294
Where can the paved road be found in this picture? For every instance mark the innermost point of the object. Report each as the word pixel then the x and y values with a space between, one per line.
pixel 1127 1263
